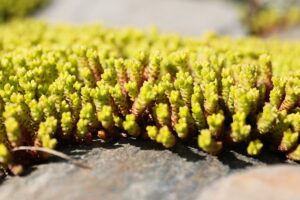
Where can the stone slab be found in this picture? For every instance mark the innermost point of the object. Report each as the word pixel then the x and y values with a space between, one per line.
pixel 277 183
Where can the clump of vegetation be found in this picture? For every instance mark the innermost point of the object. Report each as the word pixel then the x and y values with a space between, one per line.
pixel 18 8
pixel 70 84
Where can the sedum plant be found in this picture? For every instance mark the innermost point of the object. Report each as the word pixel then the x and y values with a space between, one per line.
pixel 70 84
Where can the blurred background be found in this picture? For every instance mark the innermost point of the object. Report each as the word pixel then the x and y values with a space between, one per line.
pixel 183 16
pixel 188 17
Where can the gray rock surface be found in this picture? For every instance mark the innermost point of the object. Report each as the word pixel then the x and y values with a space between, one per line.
pixel 276 183
pixel 128 169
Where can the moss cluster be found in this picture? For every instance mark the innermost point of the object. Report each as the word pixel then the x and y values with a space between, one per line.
pixel 18 8
pixel 67 84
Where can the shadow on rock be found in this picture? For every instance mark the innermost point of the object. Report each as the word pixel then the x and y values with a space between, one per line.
pixel 230 159
pixel 235 159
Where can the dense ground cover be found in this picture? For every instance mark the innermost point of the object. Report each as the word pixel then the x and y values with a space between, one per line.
pixel 69 84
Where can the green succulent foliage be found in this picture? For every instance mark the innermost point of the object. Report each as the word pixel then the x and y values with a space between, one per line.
pixel 146 96
pixel 131 126
pixel 61 86
pixel 197 113
pixel 4 156
pixel 289 140
pixel 294 120
pixel 208 143
pixel 162 114
pixel 184 84
pixel 254 147
pixel 267 119
pixel 216 123
pixel 13 131
pixel 185 125
pixel 46 133
pixel 152 132
pixel 105 116
pixel 240 131
pixel 165 137
pixel 67 123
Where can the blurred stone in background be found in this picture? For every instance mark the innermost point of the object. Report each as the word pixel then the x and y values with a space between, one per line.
pixel 265 17
pixel 188 17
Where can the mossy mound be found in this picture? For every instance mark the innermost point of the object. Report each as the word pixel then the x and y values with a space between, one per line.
pixel 70 84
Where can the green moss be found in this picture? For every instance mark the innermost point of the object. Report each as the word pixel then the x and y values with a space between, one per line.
pixel 61 86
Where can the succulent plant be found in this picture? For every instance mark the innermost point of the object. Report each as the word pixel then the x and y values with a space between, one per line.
pixel 61 86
